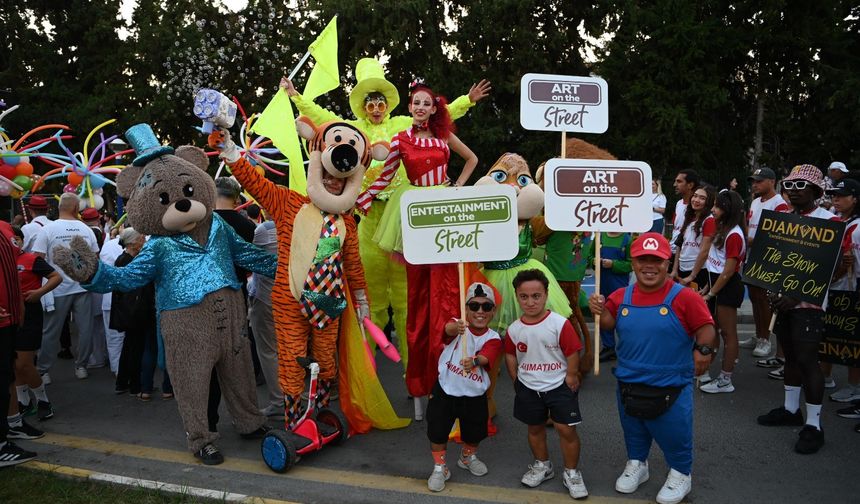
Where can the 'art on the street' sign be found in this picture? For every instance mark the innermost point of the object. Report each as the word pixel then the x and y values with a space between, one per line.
pixel 598 195
pixel 564 103
pixel 462 224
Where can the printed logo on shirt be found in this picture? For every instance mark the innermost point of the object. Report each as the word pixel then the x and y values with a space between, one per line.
pixel 540 366
pixel 522 347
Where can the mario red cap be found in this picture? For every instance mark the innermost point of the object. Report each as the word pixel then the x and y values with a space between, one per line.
pixel 654 244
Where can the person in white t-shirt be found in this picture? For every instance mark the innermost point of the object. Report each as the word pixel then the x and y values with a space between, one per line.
pixel 686 182
pixel 763 183
pixel 69 295
pixel 460 392
pixel 694 240
pixel 542 357
pixel 725 292
pixel 846 201
pixel 658 206
pixel 113 338
pixel 38 208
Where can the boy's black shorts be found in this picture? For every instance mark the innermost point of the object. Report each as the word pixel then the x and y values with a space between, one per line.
pixel 443 409
pixel 531 407
pixel 29 337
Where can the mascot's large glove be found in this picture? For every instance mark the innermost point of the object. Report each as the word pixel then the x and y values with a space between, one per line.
pixel 220 140
pixel 78 261
pixel 360 297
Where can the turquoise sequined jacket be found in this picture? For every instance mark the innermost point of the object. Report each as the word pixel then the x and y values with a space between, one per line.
pixel 183 271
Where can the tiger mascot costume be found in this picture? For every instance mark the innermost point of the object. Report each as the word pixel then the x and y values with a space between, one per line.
pixel 319 263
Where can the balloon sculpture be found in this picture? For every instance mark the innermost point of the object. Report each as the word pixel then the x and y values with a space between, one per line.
pixel 17 177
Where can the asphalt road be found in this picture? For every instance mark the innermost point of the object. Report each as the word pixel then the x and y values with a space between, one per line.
pixel 735 459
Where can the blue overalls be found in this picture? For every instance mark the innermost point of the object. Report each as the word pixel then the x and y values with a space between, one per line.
pixel 655 349
pixel 611 282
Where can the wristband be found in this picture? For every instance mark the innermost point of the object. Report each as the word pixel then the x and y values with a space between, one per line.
pixel 475 362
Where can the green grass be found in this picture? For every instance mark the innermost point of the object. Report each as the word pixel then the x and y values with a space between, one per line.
pixel 19 485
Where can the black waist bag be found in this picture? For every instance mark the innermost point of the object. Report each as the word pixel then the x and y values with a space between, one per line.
pixel 647 402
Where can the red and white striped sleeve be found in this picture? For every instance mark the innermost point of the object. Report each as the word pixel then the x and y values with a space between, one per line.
pixel 392 163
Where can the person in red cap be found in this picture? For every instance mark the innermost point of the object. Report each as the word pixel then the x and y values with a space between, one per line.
pixel 665 335
pixel 38 208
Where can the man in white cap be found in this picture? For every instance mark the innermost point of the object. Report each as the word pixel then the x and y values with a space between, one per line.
pixel 372 100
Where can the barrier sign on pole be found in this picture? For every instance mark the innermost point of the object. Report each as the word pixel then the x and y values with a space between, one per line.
pixel 598 195
pixel 564 103
pixel 462 224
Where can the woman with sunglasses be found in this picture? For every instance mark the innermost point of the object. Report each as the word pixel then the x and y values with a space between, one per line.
pixel 725 290
pixel 694 240
pixel 372 100
pixel 424 149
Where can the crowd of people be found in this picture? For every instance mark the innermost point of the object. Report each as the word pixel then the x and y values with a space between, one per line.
pixel 665 306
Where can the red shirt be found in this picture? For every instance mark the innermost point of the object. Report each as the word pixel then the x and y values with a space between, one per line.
pixel 688 305
pixel 10 289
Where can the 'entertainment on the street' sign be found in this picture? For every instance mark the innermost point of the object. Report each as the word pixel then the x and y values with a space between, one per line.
pixel 564 103
pixel 794 255
pixel 596 195
pixel 463 224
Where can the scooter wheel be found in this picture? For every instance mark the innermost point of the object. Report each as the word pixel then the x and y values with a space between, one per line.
pixel 336 419
pixel 278 451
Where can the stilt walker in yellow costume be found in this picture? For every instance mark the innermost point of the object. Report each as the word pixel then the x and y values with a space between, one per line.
pixel 372 100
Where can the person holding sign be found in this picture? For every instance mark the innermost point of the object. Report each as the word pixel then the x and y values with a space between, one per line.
pixel 799 329
pixel 845 197
pixel 659 325
pixel 542 358
pixel 461 389
pixel 724 289
pixel 424 149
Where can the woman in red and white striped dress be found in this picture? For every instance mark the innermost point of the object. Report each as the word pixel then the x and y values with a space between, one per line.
pixel 424 150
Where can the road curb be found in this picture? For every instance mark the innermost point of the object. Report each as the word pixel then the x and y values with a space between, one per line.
pixel 115 479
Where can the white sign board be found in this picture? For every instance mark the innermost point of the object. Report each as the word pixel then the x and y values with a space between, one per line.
pixel 564 103
pixel 462 224
pixel 597 195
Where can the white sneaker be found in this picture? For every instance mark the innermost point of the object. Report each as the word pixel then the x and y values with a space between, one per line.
pixel 762 348
pixel 472 464
pixel 46 379
pixel 572 480
pixel 846 394
pixel 81 373
pixel 437 479
pixel 829 382
pixel 538 473
pixel 720 385
pixel 704 378
pixel 748 343
pixel 635 473
pixel 677 487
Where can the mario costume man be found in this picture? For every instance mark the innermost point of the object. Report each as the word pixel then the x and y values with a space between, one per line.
pixel 665 337
pixel 371 101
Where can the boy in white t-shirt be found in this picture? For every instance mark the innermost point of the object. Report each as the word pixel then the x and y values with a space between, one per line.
pixel 461 389
pixel 542 357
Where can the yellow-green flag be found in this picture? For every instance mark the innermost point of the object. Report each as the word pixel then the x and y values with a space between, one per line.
pixel 278 123
pixel 325 75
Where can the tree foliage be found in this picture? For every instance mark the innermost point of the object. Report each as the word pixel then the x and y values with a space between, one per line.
pixel 686 79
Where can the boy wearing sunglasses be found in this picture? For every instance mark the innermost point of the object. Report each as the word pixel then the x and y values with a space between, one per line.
pixel 461 390
pixel 542 357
